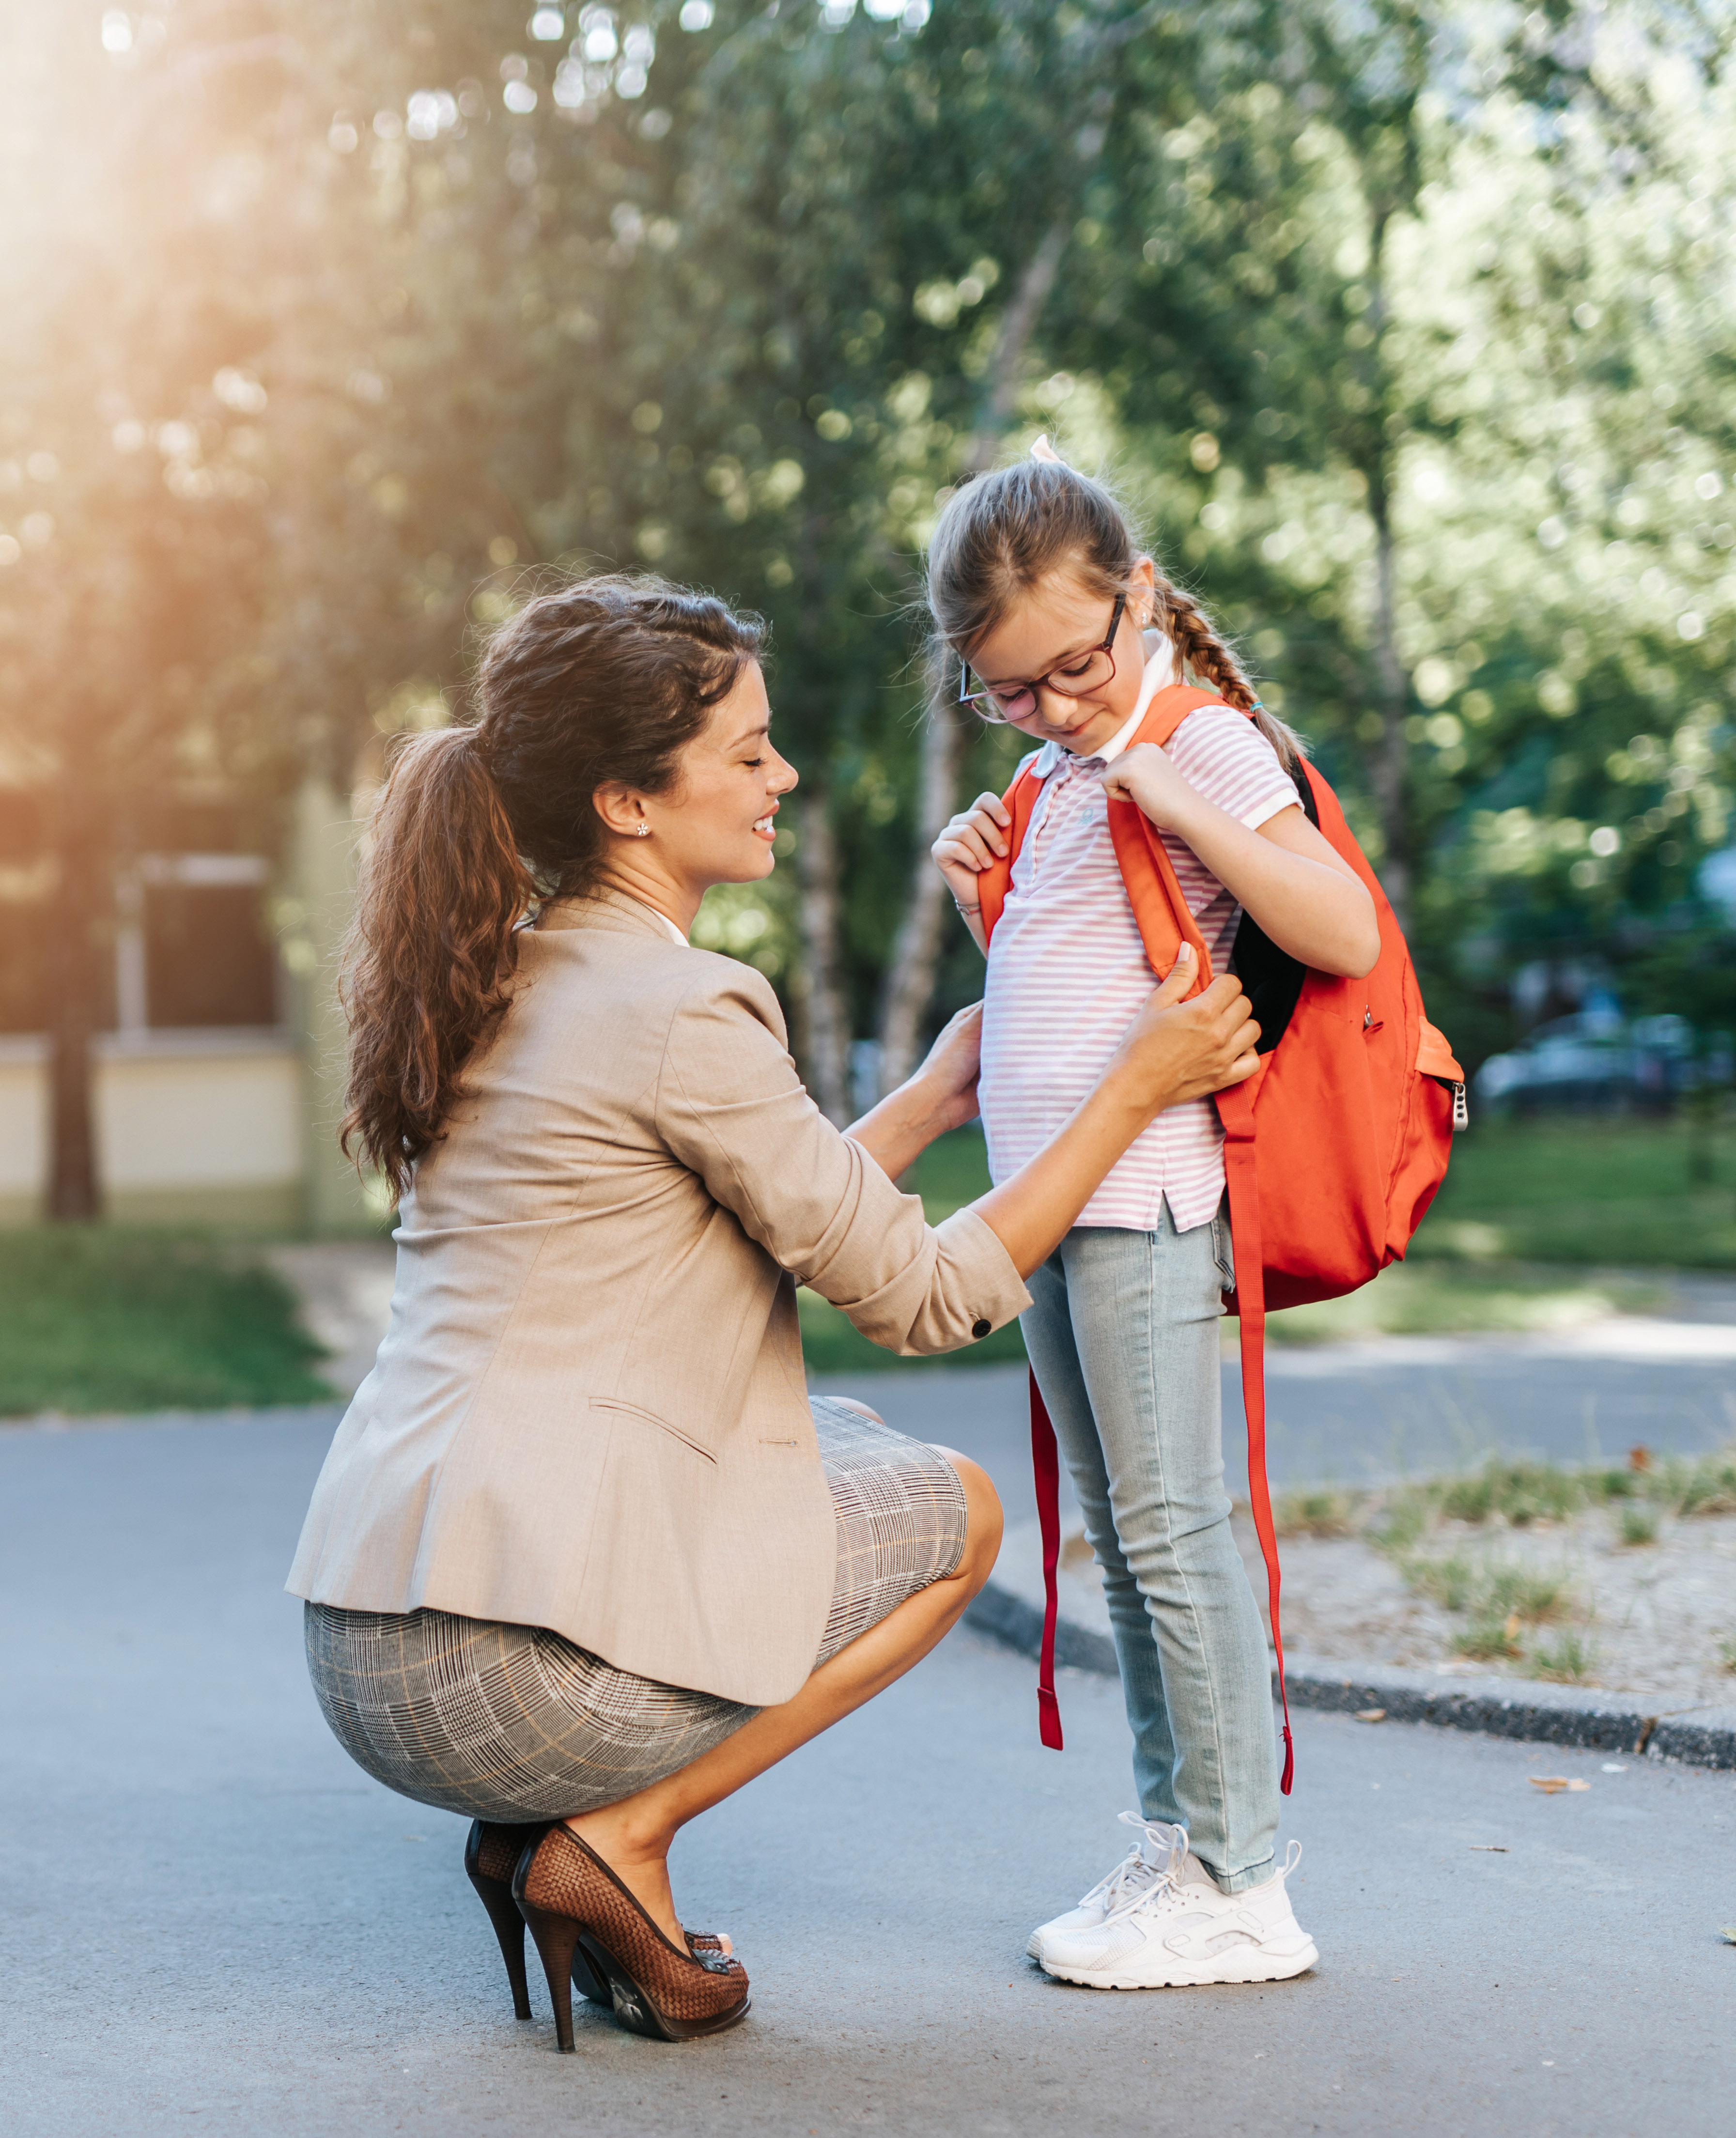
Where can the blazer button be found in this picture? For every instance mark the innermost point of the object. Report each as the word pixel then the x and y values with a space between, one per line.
pixel 981 1328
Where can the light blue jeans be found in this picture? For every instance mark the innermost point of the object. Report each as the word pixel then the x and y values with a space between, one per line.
pixel 1123 1332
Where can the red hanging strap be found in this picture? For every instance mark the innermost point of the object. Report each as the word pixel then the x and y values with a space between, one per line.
pixel 1237 1109
pixel 1045 1464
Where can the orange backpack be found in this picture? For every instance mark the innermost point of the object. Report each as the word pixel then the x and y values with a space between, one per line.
pixel 1332 1149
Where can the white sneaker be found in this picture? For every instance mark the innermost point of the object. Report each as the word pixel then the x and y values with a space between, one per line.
pixel 1180 1928
pixel 1131 1875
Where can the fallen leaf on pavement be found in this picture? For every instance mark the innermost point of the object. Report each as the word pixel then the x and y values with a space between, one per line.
pixel 1371 1715
pixel 1554 1784
pixel 1728 1933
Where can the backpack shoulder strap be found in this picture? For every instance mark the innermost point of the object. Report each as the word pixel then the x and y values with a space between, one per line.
pixel 1160 910
pixel 1170 707
pixel 992 885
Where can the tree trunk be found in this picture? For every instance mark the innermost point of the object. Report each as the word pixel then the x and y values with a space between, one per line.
pixel 73 956
pixel 909 981
pixel 909 986
pixel 1391 768
pixel 822 1038
pixel 1390 771
pixel 1016 329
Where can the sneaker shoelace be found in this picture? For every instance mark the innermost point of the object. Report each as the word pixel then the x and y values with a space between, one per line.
pixel 1160 1888
pixel 1145 1861
pixel 1164 1892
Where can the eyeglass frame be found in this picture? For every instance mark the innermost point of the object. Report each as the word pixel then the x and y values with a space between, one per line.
pixel 967 696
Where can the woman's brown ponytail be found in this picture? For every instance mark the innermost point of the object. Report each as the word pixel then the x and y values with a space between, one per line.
pixel 430 950
pixel 594 682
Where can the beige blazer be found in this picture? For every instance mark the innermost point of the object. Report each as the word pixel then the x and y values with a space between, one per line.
pixel 589 1412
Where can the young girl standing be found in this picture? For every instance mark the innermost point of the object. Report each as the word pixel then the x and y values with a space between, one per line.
pixel 1064 627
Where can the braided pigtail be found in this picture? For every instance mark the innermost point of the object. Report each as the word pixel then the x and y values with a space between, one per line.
pixel 1205 653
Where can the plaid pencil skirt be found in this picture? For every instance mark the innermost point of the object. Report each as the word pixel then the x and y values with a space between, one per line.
pixel 515 1723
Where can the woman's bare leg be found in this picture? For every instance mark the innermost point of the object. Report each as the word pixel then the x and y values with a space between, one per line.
pixel 633 1837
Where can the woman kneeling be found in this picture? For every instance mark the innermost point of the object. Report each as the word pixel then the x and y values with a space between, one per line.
pixel 585 1557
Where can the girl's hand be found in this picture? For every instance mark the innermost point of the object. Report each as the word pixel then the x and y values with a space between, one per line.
pixel 973 839
pixel 1146 776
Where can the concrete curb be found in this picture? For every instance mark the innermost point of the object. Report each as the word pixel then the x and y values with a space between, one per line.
pixel 1536 1714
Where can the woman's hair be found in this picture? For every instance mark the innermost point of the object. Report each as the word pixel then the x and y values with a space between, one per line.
pixel 1001 535
pixel 594 681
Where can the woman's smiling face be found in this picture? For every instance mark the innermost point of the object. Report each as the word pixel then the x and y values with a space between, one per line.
pixel 717 822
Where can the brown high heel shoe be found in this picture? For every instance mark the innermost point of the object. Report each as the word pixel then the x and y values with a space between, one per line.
pixel 491 1855
pixel 572 1900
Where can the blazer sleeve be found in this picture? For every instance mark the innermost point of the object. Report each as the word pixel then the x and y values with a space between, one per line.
pixel 731 1107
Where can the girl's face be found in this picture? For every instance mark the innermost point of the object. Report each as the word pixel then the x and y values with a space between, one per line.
pixel 716 823
pixel 1052 629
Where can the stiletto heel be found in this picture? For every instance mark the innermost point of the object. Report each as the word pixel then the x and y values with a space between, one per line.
pixel 556 1940
pixel 573 1902
pixel 491 1857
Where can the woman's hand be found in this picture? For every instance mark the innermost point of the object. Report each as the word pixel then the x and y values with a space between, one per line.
pixel 941 1095
pixel 1147 777
pixel 948 1076
pixel 1175 1051
pixel 975 837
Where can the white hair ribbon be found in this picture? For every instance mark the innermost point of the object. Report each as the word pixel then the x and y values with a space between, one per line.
pixel 1041 449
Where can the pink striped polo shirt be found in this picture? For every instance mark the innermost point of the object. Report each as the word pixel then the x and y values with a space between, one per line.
pixel 1068 973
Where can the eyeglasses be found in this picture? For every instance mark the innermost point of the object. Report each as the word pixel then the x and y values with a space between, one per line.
pixel 1076 677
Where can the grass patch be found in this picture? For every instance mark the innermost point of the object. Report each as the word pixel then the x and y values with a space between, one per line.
pixel 1638 1525
pixel 112 1318
pixel 1516 1592
pixel 1565 1190
pixel 1451 1582
pixel 1707 1486
pixel 1500 1599
pixel 1727 1652
pixel 1323 1514
pixel 1446 1298
pixel 1487 1641
pixel 1569 1659
pixel 1517 1195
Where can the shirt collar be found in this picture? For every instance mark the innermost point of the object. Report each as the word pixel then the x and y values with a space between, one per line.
pixel 1159 672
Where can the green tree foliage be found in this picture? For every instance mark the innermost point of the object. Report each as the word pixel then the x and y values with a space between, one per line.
pixel 1407 326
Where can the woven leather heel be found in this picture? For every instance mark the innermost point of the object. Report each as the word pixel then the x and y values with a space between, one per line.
pixel 491 1855
pixel 572 1900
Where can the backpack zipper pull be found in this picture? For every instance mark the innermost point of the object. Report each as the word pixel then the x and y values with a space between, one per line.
pixel 1461 1112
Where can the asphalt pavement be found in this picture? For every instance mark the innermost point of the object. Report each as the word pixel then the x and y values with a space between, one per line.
pixel 212 1921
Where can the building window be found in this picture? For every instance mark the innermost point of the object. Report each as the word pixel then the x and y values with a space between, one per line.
pixel 192 949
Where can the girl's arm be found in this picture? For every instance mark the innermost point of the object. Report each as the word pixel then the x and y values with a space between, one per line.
pixel 1305 895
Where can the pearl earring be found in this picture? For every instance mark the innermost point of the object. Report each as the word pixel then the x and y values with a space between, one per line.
pixel 641 831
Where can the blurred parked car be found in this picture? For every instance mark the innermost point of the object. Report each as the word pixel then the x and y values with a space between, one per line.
pixel 1597 1062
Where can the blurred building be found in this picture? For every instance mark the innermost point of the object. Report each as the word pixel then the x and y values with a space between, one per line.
pixel 218 1063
